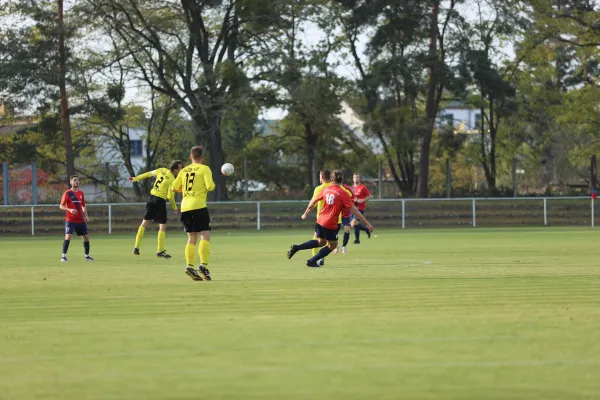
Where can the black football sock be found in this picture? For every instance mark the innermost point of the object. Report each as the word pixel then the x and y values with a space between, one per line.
pixel 324 252
pixel 357 232
pixel 311 244
pixel 346 239
pixel 86 246
pixel 66 246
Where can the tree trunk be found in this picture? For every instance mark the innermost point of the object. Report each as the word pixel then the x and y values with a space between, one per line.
pixel 311 162
pixel 430 105
pixel 209 132
pixel 493 129
pixel 64 102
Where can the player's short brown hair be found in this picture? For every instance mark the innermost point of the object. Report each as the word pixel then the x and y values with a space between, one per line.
pixel 176 164
pixel 197 152
pixel 73 176
pixel 326 174
pixel 338 176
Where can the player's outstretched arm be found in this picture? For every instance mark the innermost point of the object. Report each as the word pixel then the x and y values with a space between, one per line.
pixel 311 205
pixel 361 218
pixel 142 176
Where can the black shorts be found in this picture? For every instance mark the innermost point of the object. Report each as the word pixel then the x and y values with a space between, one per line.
pixel 327 234
pixel 156 210
pixel 80 228
pixel 196 220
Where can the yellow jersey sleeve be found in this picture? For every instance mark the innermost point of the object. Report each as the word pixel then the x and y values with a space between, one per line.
pixel 195 182
pixel 176 185
pixel 210 184
pixel 145 175
pixel 171 198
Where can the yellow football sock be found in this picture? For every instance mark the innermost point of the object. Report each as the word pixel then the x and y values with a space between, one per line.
pixel 316 249
pixel 204 252
pixel 139 236
pixel 161 241
pixel 190 254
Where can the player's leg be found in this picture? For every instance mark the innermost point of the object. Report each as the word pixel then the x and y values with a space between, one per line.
pixel 204 247
pixel 364 228
pixel 321 261
pixel 160 247
pixel 140 235
pixel 67 241
pixel 329 238
pixel 149 215
pixel 311 244
pixel 355 224
pixel 190 256
pixel 161 218
pixel 315 249
pixel 360 227
pixel 187 218
pixel 191 225
pixel 346 238
pixel 204 253
pixel 83 232
pixel 346 225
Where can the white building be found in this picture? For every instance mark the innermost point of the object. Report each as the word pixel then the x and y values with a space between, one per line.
pixel 108 152
pixel 463 118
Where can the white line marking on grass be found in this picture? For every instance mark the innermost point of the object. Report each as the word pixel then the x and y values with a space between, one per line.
pixel 416 262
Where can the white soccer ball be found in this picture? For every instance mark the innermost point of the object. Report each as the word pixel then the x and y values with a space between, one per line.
pixel 227 169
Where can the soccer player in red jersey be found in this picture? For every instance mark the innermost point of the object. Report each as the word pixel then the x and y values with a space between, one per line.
pixel 362 195
pixel 336 200
pixel 73 203
pixel 346 221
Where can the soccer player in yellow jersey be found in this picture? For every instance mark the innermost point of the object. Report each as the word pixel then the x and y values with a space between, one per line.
pixel 195 181
pixel 156 207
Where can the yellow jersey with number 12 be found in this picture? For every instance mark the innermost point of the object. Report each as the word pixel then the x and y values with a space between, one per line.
pixel 162 184
pixel 195 181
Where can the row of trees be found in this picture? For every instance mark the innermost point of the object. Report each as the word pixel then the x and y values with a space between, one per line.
pixel 201 71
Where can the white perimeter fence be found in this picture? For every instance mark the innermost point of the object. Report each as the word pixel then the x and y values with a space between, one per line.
pixel 399 213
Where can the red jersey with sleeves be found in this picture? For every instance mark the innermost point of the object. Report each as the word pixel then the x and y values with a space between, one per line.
pixel 361 192
pixel 335 200
pixel 346 212
pixel 74 200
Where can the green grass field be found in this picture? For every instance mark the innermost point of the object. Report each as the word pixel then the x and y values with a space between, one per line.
pixel 415 314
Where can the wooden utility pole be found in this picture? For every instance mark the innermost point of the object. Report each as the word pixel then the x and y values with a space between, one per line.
pixel 62 82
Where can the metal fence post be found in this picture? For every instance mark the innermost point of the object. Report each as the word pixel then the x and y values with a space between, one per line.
pixel 380 181
pixel 474 214
pixel 5 182
pixel 32 222
pixel 403 214
pixel 545 211
pixel 258 216
pixel 110 219
pixel 34 185
pixel 593 213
